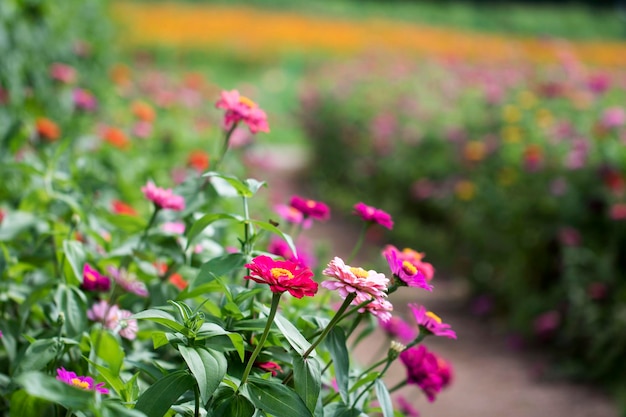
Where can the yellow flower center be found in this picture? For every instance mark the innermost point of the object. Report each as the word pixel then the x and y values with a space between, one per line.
pixel 281 273
pixel 409 268
pixel 80 384
pixel 408 252
pixel 310 203
pixel 247 102
pixel 433 316
pixel 359 272
pixel 89 276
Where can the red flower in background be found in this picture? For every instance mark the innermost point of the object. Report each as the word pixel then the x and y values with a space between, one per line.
pixel 119 207
pixel 198 160
pixel 47 129
pixel 282 276
pixel 115 137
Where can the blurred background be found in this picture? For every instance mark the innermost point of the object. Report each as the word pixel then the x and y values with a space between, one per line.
pixel 494 132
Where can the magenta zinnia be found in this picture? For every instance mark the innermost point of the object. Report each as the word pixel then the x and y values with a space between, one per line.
pixel 310 208
pixel 422 369
pixel 94 280
pixel 163 198
pixel 430 322
pixel 282 276
pixel 83 382
pixel 373 215
pixel 396 328
pixel 414 258
pixel 405 270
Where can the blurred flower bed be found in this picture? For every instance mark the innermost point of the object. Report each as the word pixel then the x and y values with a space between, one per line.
pixel 511 175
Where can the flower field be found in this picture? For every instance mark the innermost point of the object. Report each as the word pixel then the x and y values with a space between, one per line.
pixel 147 270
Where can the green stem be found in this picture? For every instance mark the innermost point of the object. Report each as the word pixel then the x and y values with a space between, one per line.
pixel 196 394
pixel 397 386
pixel 371 384
pixel 227 136
pixel 148 227
pixel 331 325
pixel 358 244
pixel 266 331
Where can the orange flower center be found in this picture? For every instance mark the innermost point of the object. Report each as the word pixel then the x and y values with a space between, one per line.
pixel 247 102
pixel 433 316
pixel 359 272
pixel 281 273
pixel 80 384
pixel 409 268
pixel 89 276
pixel 310 203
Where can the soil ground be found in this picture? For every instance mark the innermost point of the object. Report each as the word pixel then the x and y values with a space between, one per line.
pixel 490 378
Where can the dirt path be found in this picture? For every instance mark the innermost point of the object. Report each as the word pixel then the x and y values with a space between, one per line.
pixel 491 380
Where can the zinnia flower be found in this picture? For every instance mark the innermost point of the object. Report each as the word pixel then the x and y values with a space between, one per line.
pixel 83 382
pixel 178 281
pixel 93 280
pixel 310 208
pixel 113 318
pixel 423 370
pixel 198 160
pixel 396 328
pixel 47 129
pixel 405 270
pixel 163 198
pixel 415 258
pixel 84 100
pixel 239 108
pixel 115 137
pixel 405 407
pixel 373 215
pixel 128 281
pixel 143 111
pixel 119 207
pixel 430 322
pixel 293 215
pixel 272 367
pixel 63 73
pixel 282 276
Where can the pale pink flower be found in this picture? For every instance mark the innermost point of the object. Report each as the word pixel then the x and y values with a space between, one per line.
pixel 127 327
pixel 84 100
pixel 177 228
pixel 128 281
pixel 293 215
pixel 613 117
pixel 63 73
pixel 163 198
pixel 113 318
pixel 365 284
pixel 142 129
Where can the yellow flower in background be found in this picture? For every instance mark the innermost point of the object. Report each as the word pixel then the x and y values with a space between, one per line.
pixel 507 176
pixel 511 134
pixel 475 150
pixel 527 99
pixel 544 118
pixel 511 114
pixel 465 190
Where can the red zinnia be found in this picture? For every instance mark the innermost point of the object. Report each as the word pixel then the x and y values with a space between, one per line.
pixel 119 207
pixel 282 276
pixel 198 160
pixel 47 129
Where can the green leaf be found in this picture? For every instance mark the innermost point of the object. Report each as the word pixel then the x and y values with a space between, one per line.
pixel 75 255
pixel 340 410
pixel 112 379
pixel 219 266
pixel 271 228
pixel 159 339
pixel 307 377
pixel 73 303
pixel 245 188
pixel 39 354
pixel 204 221
pixel 109 350
pixel 291 333
pixel 208 367
pixel 115 409
pixel 130 393
pixel 335 342
pixel 163 318
pixel 24 405
pixel 160 396
pixel 226 403
pixel 237 340
pixel 384 398
pixel 44 386
pixel 275 398
pixel 16 222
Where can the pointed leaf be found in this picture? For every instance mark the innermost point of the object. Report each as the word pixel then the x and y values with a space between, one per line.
pixel 75 255
pixel 161 317
pixel 335 342
pixel 384 399
pixel 297 341
pixel 109 349
pixel 226 403
pixel 73 304
pixel 159 397
pixel 340 410
pixel 208 367
pixel 275 398
pixel 204 221
pixel 39 354
pixel 307 377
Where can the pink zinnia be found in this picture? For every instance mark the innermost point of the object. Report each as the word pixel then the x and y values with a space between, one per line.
pixel 84 100
pixel 282 276
pixel 373 215
pixel 613 117
pixel 423 370
pixel 83 382
pixel 405 407
pixel 430 322
pixel 93 280
pixel 239 108
pixel 113 318
pixel 379 307
pixel 63 73
pixel 293 215
pixel 177 228
pixel 405 270
pixel 128 281
pixel 163 198
pixel 415 258
pixel 310 208
pixel 396 328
